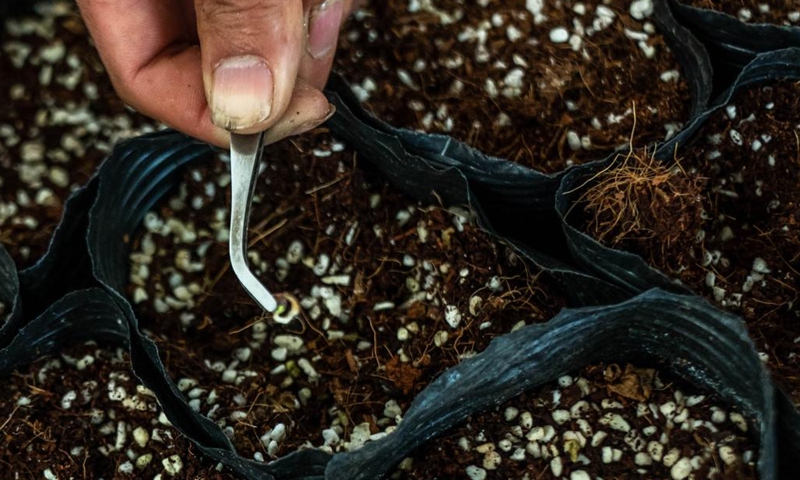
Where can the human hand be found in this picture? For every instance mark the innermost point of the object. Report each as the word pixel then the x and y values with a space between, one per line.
pixel 207 67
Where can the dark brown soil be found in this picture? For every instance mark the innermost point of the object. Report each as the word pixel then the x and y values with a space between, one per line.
pixel 526 99
pixel 409 291
pixel 745 253
pixel 562 429
pixel 754 11
pixel 75 416
pixel 58 119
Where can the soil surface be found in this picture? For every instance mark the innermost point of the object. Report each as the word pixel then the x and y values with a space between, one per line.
pixel 84 415
pixel 610 421
pixel 736 197
pixel 389 294
pixel 754 11
pixel 59 118
pixel 543 87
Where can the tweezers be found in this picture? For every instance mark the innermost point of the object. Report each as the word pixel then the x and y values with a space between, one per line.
pixel 246 151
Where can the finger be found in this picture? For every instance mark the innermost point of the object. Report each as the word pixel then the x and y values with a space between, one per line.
pixel 114 23
pixel 251 52
pixel 171 90
pixel 324 21
pixel 159 73
pixel 308 109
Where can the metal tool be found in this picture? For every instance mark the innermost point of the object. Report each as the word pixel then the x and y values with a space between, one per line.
pixel 245 158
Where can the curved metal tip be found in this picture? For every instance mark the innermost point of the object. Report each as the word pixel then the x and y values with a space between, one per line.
pixel 245 157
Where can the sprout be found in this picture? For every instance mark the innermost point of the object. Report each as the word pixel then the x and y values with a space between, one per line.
pixel 288 308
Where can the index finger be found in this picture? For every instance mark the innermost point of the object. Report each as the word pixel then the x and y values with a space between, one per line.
pixel 150 50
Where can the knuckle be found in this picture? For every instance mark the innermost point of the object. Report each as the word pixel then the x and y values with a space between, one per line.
pixel 243 25
pixel 121 84
pixel 240 12
pixel 267 27
pixel 130 98
pixel 130 91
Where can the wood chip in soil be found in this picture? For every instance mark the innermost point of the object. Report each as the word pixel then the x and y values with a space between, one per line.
pixel 545 88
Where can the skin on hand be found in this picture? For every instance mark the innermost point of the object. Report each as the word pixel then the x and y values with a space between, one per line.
pixel 207 67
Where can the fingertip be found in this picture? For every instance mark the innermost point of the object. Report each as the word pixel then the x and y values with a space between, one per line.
pixel 218 137
pixel 325 20
pixel 204 129
pixel 307 110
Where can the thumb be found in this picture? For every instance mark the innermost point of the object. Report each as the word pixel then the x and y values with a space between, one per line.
pixel 251 50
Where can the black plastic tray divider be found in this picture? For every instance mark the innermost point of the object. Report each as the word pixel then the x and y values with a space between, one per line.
pixel 730 41
pixel 709 347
